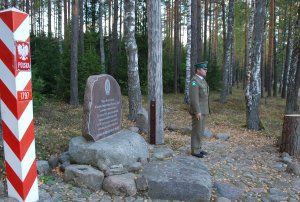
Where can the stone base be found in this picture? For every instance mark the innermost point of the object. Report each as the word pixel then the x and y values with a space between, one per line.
pixel 122 148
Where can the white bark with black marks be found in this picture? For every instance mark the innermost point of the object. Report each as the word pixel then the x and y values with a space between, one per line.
pixel 254 93
pixel 134 90
pixel 188 56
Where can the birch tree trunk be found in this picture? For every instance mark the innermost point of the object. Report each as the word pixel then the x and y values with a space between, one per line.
pixel 254 93
pixel 101 38
pixel 294 73
pixel 188 55
pixel 155 88
pixel 249 48
pixel 134 90
pixel 227 53
pixel 74 100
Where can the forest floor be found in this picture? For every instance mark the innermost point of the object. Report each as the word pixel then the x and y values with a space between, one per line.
pixel 249 159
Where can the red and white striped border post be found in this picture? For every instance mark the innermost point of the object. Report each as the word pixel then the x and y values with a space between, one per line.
pixel 16 106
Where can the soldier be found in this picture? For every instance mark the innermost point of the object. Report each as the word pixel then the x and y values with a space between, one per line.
pixel 199 108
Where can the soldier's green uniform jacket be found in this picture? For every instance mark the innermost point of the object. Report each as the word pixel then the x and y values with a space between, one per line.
pixel 199 92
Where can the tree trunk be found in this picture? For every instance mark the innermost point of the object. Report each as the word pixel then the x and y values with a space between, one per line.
pixel 114 42
pixel 49 18
pixel 81 35
pixel 205 28
pixel 120 22
pixel 176 44
pixel 290 141
pixel 246 44
pixel 27 6
pixel 93 12
pixel 227 54
pixel 155 87
pixel 101 38
pixel 253 93
pixel 199 28
pixel 134 90
pixel 59 25
pixel 224 25
pixel 65 19
pixel 194 35
pixel 74 100
pixel 287 60
pixel 109 17
pixel 294 73
pixel 271 48
pixel 216 30
pixel 188 55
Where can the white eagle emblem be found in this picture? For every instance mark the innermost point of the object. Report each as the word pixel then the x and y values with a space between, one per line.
pixel 23 51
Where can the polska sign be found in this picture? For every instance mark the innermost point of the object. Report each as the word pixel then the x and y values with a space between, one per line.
pixel 22 56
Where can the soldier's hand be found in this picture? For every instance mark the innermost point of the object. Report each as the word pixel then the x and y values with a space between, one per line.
pixel 198 116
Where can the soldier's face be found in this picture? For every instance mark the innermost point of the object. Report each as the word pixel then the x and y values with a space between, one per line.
pixel 202 72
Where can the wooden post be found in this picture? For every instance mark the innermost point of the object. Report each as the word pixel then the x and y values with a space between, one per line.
pixel 291 134
pixel 152 122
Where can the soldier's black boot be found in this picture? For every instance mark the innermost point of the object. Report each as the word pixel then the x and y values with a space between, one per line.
pixel 199 155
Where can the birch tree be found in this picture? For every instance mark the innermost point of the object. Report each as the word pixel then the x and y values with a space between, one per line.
pixel 227 54
pixel 155 87
pixel 188 55
pixel 134 90
pixel 254 93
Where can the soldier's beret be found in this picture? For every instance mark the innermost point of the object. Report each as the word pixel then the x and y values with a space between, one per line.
pixel 201 65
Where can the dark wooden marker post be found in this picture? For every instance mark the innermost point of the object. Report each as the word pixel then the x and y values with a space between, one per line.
pixel 152 122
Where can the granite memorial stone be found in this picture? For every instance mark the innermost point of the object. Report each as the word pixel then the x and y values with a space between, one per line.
pixel 102 107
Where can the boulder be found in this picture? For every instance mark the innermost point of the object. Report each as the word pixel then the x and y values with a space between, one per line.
pixel 183 178
pixel 84 176
pixel 142 120
pixel 124 147
pixel 121 185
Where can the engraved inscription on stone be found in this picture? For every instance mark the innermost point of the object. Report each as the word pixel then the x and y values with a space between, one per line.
pixel 102 107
